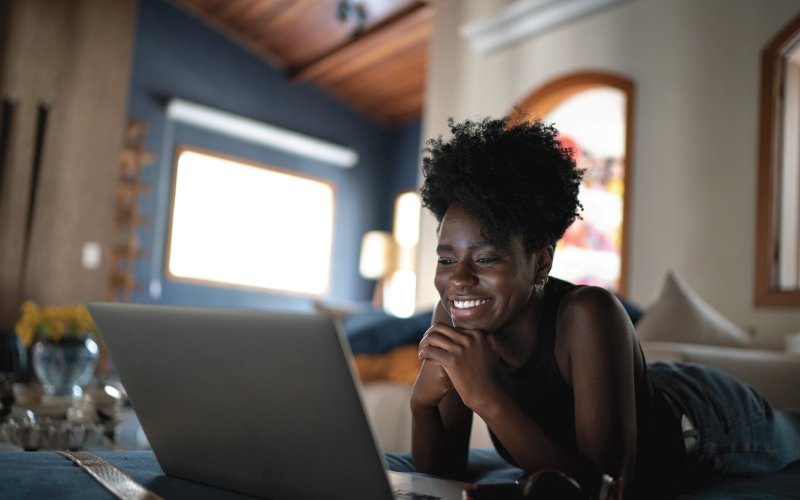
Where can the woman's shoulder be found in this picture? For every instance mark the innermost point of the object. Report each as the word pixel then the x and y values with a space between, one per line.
pixel 593 330
pixel 583 297
pixel 591 310
pixel 589 296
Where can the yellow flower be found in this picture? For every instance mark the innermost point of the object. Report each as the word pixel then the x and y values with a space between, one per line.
pixel 27 325
pixel 25 333
pixel 67 315
pixel 53 322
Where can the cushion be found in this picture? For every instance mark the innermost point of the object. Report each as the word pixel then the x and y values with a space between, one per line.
pixel 400 365
pixel 375 332
pixel 680 315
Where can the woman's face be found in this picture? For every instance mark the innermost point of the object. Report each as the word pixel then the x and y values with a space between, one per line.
pixel 482 288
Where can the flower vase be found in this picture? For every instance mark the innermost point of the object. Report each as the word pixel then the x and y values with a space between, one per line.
pixel 61 366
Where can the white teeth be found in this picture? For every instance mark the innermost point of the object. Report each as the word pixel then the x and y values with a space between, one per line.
pixel 466 304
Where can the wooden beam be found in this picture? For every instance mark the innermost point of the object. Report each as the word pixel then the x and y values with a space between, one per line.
pixel 379 86
pixel 378 61
pixel 382 34
pixel 377 77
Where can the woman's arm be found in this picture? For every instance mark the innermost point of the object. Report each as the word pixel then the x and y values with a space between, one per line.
pixel 601 370
pixel 468 358
pixel 441 423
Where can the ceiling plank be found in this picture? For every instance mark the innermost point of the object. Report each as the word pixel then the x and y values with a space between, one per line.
pixel 385 34
pixel 376 68
pixel 302 32
pixel 229 11
pixel 377 60
pixel 380 73
pixel 386 93
pixel 378 88
pixel 252 16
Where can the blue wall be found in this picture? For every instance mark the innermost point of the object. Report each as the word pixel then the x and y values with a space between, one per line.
pixel 178 56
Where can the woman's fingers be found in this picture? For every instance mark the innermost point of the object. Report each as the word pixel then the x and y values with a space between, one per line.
pixel 436 339
pixel 436 354
pixel 443 331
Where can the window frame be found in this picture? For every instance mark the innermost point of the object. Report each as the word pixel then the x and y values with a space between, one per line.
pixel 553 93
pixel 768 197
pixel 179 150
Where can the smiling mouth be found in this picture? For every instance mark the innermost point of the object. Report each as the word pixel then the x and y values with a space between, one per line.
pixel 469 304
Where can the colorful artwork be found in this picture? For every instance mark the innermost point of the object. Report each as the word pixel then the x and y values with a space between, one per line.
pixel 592 124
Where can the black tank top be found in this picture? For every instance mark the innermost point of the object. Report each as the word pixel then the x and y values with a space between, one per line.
pixel 542 393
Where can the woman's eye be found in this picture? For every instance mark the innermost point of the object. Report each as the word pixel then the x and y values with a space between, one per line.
pixel 446 262
pixel 487 260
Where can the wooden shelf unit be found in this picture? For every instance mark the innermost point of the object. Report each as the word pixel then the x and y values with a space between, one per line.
pixel 132 159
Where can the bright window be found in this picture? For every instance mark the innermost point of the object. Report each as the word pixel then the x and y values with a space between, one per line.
pixel 777 280
pixel 238 223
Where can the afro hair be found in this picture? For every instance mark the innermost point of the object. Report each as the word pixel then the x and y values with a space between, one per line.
pixel 511 174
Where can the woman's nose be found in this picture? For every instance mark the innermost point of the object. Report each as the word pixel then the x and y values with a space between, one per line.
pixel 463 276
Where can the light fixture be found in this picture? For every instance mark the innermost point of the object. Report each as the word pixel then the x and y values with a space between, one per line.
pixel 376 255
pixel 406 219
pixel 391 259
pixel 526 18
pixel 250 130
pixel 401 294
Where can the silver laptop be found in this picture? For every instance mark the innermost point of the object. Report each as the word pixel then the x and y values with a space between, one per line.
pixel 259 403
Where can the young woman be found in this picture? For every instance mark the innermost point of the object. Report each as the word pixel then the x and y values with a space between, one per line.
pixel 555 370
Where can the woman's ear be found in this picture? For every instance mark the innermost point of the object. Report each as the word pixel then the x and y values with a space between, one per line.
pixel 544 262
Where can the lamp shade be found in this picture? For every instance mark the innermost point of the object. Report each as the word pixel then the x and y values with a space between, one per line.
pixel 406 219
pixel 376 254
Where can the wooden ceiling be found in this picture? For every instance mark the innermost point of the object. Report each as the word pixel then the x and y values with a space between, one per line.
pixel 377 65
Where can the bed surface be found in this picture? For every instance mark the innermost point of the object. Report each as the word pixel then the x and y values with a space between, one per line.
pixel 43 475
pixel 486 466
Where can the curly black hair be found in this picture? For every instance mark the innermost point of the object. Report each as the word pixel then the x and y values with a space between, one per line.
pixel 511 174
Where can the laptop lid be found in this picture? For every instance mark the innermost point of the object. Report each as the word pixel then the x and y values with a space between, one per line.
pixel 255 402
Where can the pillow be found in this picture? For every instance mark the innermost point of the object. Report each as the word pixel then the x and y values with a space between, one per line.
pixel 680 315
pixel 375 332
pixel 401 365
pixel 372 331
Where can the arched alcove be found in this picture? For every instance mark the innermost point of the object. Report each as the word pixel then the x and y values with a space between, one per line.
pixel 593 112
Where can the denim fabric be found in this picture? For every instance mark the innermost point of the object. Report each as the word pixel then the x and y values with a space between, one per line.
pixel 738 430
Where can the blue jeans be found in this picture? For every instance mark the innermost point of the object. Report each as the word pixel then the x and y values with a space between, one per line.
pixel 738 430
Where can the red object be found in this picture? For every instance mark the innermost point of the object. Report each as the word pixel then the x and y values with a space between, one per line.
pixel 570 143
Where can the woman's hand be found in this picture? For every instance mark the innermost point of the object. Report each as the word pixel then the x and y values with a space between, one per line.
pixel 468 357
pixel 431 386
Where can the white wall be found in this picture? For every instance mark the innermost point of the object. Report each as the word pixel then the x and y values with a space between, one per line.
pixel 696 69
